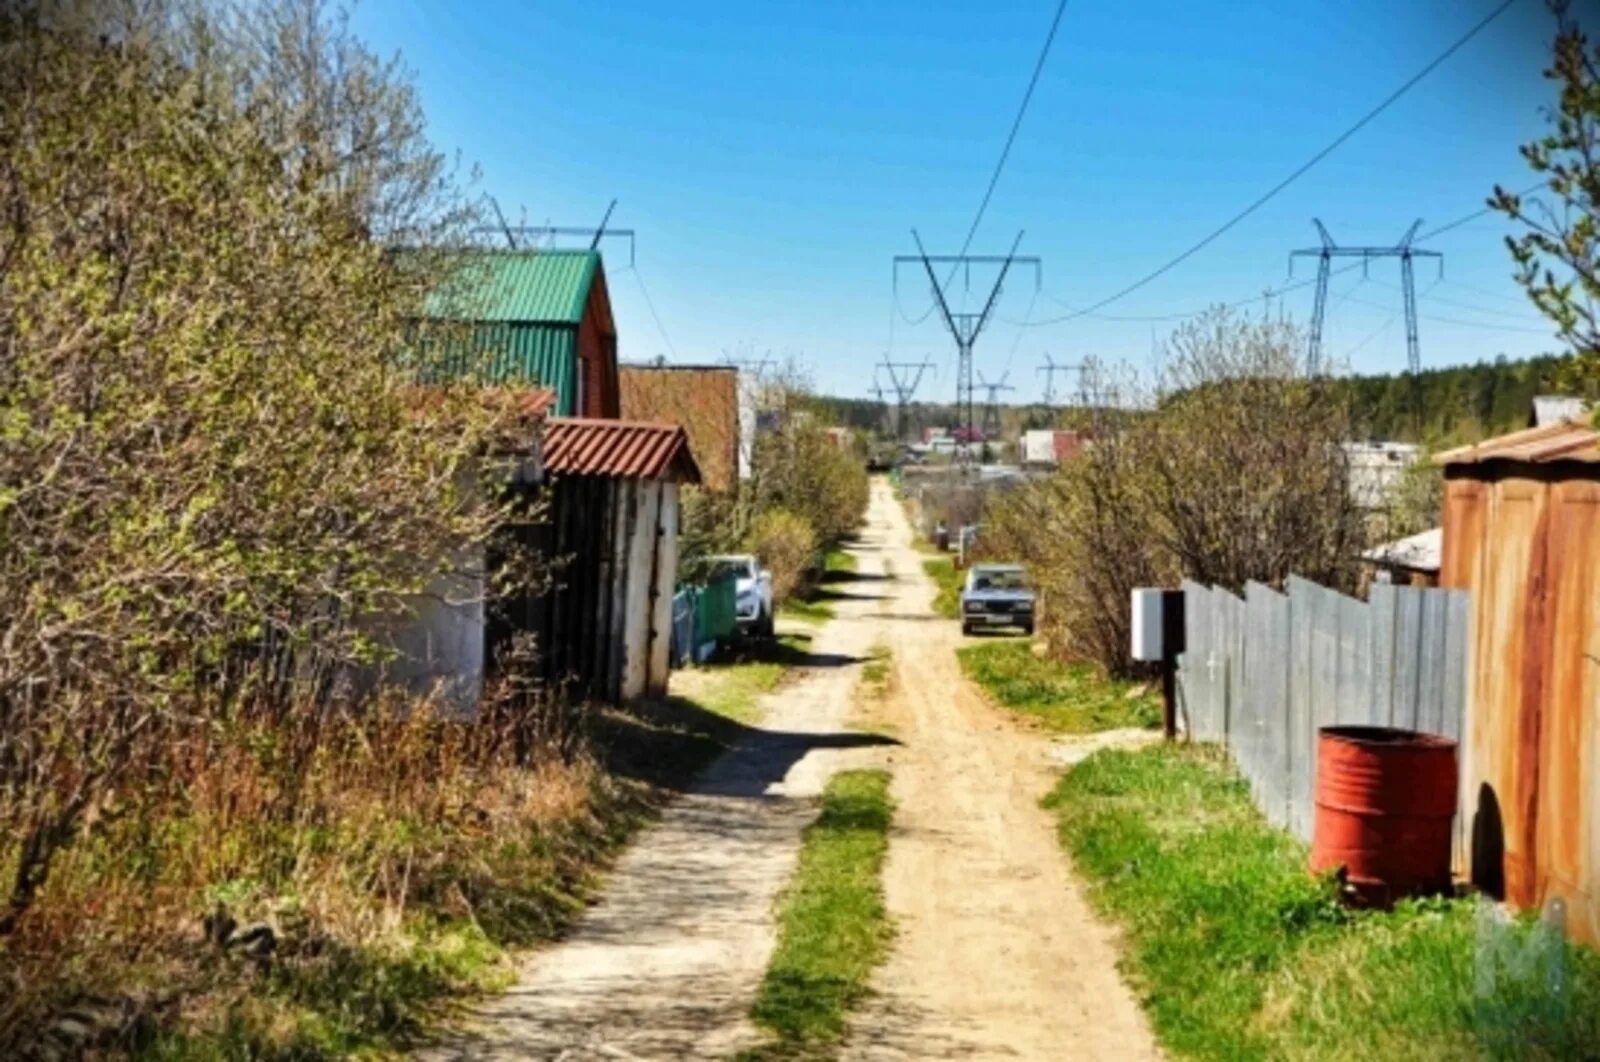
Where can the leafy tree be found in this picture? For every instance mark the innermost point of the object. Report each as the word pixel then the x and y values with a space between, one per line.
pixel 1558 254
pixel 213 465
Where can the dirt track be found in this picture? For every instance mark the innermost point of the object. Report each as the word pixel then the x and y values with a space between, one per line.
pixel 997 955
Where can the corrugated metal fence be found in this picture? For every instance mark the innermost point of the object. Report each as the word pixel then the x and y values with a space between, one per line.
pixel 702 616
pixel 1262 673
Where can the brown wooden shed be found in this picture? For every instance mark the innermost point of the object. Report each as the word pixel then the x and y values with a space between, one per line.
pixel 1522 532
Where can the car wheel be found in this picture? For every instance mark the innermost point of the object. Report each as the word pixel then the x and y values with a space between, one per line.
pixel 1027 628
pixel 966 628
pixel 766 625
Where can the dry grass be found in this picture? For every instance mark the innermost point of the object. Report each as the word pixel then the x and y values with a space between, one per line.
pixel 396 869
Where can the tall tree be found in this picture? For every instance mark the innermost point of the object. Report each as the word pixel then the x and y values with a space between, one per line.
pixel 1557 254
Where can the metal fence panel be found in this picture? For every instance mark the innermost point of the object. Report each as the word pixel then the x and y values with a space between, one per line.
pixel 1262 674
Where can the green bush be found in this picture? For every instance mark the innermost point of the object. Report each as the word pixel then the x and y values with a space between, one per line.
pixel 786 545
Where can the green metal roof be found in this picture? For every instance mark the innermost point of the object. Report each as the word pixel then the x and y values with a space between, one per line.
pixel 546 287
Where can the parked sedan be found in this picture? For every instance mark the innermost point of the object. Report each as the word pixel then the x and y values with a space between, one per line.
pixel 753 592
pixel 997 595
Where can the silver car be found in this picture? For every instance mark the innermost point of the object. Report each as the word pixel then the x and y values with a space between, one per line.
pixel 997 595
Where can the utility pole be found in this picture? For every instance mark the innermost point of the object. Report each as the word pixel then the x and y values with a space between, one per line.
pixel 1325 256
pixel 904 376
pixel 991 407
pixel 1050 368
pixel 965 327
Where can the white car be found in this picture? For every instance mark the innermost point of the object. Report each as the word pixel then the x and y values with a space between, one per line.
pixel 752 591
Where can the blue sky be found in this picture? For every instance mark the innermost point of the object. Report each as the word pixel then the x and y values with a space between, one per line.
pixel 773 157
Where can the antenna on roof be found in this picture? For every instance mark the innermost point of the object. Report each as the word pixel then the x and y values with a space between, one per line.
pixel 601 231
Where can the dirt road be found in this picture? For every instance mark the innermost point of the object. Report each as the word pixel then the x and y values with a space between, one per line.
pixel 997 955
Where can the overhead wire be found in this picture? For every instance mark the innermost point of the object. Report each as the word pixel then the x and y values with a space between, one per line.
pixel 1000 163
pixel 649 302
pixel 1016 124
pixel 1269 291
pixel 1298 172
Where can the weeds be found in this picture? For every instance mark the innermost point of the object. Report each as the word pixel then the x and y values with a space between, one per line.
pixel 942 570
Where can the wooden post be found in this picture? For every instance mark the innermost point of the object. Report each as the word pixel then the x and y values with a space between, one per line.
pixel 1172 643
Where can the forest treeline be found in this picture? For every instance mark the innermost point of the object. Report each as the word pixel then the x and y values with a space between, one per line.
pixel 1458 404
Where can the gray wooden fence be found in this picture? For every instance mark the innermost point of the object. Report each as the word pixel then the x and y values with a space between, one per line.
pixel 1261 673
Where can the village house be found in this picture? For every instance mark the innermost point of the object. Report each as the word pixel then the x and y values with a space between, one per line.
pixel 706 401
pixel 540 318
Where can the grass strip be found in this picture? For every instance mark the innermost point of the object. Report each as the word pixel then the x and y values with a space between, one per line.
pixel 1239 953
pixel 1070 698
pixel 947 602
pixel 832 927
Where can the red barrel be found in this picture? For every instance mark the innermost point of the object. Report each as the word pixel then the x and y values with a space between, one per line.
pixel 1385 801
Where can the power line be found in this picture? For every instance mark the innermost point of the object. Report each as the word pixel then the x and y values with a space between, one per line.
pixel 1235 304
pixel 1300 171
pixel 656 316
pixel 1016 124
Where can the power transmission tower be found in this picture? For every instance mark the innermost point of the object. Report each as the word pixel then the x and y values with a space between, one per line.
pixel 904 376
pixel 877 392
pixel 1325 256
pixel 965 327
pixel 991 407
pixel 1050 368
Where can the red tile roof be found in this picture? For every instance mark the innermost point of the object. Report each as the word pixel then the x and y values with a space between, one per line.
pixel 625 449
pixel 1569 440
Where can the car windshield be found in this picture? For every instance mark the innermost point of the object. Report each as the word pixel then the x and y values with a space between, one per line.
pixel 739 567
pixel 999 579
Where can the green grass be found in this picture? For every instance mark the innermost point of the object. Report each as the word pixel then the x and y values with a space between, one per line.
pixel 1238 953
pixel 1072 698
pixel 815 612
pixel 837 560
pixel 947 602
pixel 733 688
pixel 813 604
pixel 875 672
pixel 832 926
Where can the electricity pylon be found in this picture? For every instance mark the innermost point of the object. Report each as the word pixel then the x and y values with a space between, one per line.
pixel 904 376
pixel 1325 256
pixel 965 327
pixel 1050 368
pixel 991 407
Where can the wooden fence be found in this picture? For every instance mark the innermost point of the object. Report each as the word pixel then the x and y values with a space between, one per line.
pixel 1262 673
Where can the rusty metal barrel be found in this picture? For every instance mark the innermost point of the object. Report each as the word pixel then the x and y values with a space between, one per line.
pixel 1385 802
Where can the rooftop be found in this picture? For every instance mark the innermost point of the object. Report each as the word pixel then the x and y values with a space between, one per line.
pixel 1568 440
pixel 622 449
pixel 544 287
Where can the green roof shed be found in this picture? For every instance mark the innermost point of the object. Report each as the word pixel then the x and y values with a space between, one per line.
pixel 540 318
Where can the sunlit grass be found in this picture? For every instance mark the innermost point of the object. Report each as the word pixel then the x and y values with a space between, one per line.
pixel 1073 698
pixel 1239 953
pixel 832 924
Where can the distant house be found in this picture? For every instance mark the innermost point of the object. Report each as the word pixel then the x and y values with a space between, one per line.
pixel 704 400
pixel 1409 561
pixel 1555 409
pixel 536 318
pixel 1376 469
